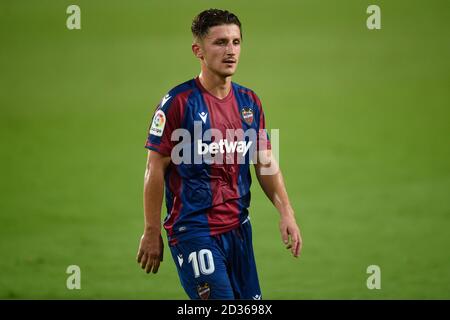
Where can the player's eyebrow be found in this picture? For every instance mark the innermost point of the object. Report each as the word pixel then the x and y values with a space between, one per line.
pixel 221 39
pixel 226 39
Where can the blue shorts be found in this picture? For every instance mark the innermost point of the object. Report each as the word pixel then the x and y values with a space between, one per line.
pixel 218 267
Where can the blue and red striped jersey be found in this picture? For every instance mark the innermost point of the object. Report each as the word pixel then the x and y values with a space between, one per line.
pixel 211 142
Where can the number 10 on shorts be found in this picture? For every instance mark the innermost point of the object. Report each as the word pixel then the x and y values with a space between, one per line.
pixel 204 260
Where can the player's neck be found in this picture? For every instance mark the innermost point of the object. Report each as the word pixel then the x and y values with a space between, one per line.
pixel 217 86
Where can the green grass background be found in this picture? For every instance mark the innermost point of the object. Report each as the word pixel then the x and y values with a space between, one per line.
pixel 364 143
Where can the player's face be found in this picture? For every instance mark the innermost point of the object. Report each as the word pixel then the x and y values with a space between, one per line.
pixel 221 48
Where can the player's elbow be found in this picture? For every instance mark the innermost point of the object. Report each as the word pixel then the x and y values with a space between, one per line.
pixel 267 168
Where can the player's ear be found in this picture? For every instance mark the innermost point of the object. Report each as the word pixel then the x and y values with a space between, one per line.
pixel 197 50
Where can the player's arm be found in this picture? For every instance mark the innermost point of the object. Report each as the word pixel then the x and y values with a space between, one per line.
pixel 271 180
pixel 151 247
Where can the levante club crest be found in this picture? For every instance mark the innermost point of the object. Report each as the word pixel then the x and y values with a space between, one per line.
pixel 247 115
pixel 204 291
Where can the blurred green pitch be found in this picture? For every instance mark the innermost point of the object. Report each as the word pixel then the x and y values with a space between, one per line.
pixel 364 129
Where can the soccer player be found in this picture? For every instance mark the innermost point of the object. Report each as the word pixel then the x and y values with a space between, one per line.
pixel 202 137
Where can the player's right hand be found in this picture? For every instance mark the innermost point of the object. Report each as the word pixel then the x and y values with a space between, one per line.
pixel 151 251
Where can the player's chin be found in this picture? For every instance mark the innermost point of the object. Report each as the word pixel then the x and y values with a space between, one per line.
pixel 228 72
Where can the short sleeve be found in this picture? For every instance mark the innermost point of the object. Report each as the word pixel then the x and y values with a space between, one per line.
pixel 263 140
pixel 166 118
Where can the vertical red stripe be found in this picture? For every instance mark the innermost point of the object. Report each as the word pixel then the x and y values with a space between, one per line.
pixel 224 214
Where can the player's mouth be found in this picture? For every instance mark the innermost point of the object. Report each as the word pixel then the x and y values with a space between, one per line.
pixel 229 61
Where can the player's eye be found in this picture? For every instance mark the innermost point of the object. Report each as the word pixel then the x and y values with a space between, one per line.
pixel 237 42
pixel 221 42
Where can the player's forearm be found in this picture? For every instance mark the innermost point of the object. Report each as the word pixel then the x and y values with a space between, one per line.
pixel 274 188
pixel 153 197
pixel 273 185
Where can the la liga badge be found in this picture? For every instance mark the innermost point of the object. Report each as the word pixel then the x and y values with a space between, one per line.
pixel 158 123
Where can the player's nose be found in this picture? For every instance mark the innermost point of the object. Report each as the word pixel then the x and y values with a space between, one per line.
pixel 230 50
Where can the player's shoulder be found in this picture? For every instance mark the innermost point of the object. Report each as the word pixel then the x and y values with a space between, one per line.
pixel 246 93
pixel 177 94
pixel 183 88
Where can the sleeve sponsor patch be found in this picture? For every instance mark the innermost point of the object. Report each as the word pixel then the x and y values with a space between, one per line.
pixel 158 123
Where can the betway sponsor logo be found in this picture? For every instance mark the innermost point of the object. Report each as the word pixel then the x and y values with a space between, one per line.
pixel 223 146
pixel 213 146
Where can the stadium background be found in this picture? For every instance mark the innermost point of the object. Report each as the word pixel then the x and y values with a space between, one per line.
pixel 364 127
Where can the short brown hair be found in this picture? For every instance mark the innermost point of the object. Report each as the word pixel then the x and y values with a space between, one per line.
pixel 211 18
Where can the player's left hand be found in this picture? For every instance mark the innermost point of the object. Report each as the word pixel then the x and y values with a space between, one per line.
pixel 290 234
pixel 151 251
